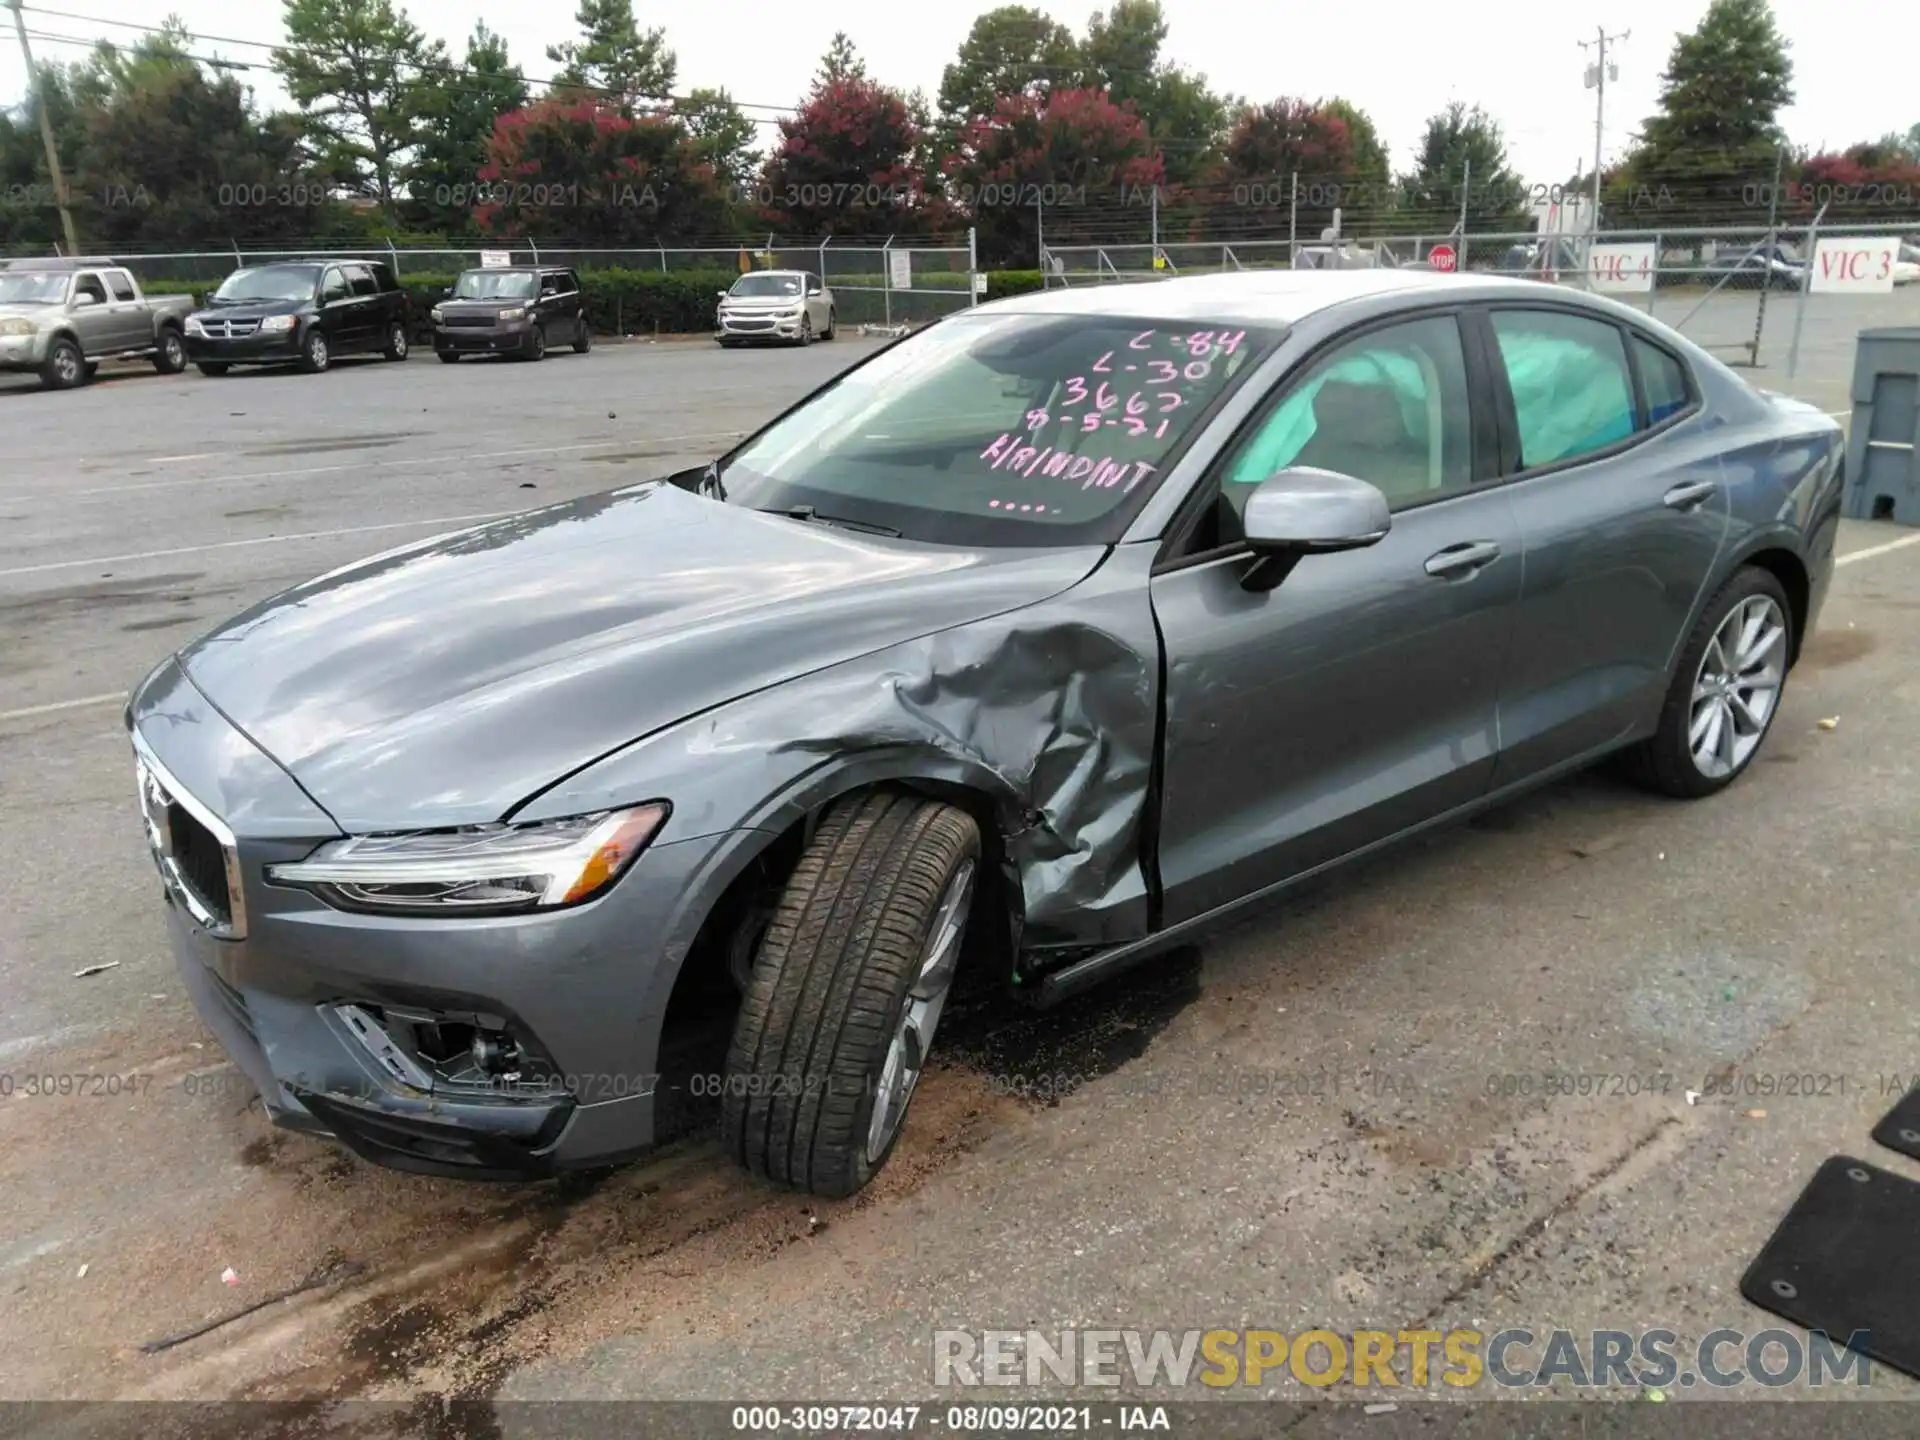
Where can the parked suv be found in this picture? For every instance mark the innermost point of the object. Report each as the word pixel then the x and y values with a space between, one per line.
pixel 60 318
pixel 300 312
pixel 513 310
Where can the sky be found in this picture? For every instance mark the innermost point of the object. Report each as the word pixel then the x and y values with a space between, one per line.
pixel 1400 60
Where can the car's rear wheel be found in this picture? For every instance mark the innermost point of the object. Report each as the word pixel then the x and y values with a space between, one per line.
pixel 396 342
pixel 170 355
pixel 1725 693
pixel 583 337
pixel 315 354
pixel 847 991
pixel 65 367
pixel 215 368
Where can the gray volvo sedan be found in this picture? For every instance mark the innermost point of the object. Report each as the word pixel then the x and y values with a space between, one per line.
pixel 1041 639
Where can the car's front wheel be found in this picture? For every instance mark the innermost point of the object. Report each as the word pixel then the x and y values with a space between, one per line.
pixel 847 991
pixel 315 355
pixel 65 367
pixel 1725 691
pixel 536 343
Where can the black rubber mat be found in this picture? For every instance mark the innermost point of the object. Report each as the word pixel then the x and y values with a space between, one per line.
pixel 1846 1261
pixel 1900 1130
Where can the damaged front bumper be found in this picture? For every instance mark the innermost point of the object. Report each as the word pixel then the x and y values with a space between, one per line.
pixel 486 1048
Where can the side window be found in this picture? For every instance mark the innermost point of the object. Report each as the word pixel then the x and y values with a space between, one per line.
pixel 1663 379
pixel 361 279
pixel 335 285
pixel 1390 407
pixel 549 285
pixel 1572 393
pixel 121 284
pixel 89 284
pixel 569 283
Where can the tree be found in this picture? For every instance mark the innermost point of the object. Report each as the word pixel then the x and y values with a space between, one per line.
pixel 1122 56
pixel 578 168
pixel 1862 184
pixel 360 71
pixel 841 62
pixel 1268 146
pixel 845 163
pixel 1075 146
pixel 615 58
pixel 1462 152
pixel 1010 52
pixel 723 136
pixel 457 124
pixel 1717 137
pixel 1371 162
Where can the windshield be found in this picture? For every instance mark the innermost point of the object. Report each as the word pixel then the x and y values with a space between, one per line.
pixel 762 286
pixel 270 282
pixel 496 285
pixel 32 287
pixel 999 429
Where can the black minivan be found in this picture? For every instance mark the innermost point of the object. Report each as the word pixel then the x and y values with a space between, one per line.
pixel 513 310
pixel 300 312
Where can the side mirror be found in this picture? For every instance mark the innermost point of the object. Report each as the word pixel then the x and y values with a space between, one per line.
pixel 721 293
pixel 83 299
pixel 1303 511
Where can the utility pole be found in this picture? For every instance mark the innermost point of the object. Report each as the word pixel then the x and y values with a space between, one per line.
pixel 46 131
pixel 1598 73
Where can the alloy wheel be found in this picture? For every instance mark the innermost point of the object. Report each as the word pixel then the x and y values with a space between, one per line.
pixel 1737 687
pixel 920 1016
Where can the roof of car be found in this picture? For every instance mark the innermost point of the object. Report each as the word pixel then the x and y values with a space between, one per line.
pixel 62 262
pixel 510 269
pixel 1253 296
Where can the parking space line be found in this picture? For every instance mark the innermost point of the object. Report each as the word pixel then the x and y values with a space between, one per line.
pixel 58 705
pixel 257 540
pixel 367 465
pixel 1882 549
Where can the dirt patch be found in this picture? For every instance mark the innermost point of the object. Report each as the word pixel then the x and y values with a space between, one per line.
pixel 1828 649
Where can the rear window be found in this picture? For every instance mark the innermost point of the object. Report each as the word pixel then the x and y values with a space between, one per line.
pixel 121 284
pixel 1664 380
pixel 361 279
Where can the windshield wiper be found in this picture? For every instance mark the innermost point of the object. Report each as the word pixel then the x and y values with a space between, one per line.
pixel 812 516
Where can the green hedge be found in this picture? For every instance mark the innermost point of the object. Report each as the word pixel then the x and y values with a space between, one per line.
pixel 642 302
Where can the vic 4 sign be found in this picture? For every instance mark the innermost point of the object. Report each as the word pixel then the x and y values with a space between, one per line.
pixel 1862 266
pixel 1621 269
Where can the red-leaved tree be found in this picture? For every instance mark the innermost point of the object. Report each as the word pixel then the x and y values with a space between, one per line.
pixel 1073 154
pixel 846 165
pixel 1254 188
pixel 575 168
pixel 1866 183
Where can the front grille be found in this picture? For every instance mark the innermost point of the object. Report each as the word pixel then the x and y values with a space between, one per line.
pixel 229 329
pixel 201 860
pixel 469 322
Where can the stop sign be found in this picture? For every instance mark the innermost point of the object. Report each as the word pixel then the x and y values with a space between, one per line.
pixel 1441 257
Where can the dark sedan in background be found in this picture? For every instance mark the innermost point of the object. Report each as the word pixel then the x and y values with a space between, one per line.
pixel 516 311
pixel 304 313
pixel 1048 637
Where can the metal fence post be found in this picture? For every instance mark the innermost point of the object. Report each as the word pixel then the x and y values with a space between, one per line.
pixel 663 259
pixel 973 269
pixel 1040 236
pixel 1463 261
pixel 1293 225
pixel 1654 289
pixel 886 281
pixel 825 241
pixel 1806 284
pixel 1773 245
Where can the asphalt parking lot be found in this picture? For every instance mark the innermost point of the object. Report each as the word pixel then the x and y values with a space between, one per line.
pixel 1348 1112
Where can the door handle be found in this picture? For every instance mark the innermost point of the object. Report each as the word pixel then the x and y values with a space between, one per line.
pixel 1462 559
pixel 1689 496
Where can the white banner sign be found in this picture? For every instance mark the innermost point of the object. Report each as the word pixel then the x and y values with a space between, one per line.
pixel 496 259
pixel 1621 269
pixel 1862 266
pixel 979 282
pixel 900 269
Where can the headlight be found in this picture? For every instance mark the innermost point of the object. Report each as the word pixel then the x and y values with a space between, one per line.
pixel 16 327
pixel 194 326
pixel 480 869
pixel 275 324
pixel 437 314
pixel 516 312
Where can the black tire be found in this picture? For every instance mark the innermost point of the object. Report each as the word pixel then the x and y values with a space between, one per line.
pixel 536 343
pixel 806 330
pixel 583 337
pixel 447 357
pixel 215 368
pixel 170 354
pixel 65 366
pixel 92 369
pixel 833 324
pixel 315 353
pixel 397 344
pixel 1664 761
pixel 830 986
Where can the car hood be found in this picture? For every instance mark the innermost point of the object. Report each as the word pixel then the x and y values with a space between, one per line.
pixel 447 682
pixel 750 304
pixel 251 309
pixel 28 312
pixel 484 307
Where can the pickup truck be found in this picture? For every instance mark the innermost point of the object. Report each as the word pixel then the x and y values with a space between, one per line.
pixel 60 318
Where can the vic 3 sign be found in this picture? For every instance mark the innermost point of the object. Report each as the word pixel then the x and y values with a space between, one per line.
pixel 1621 269
pixel 1862 266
